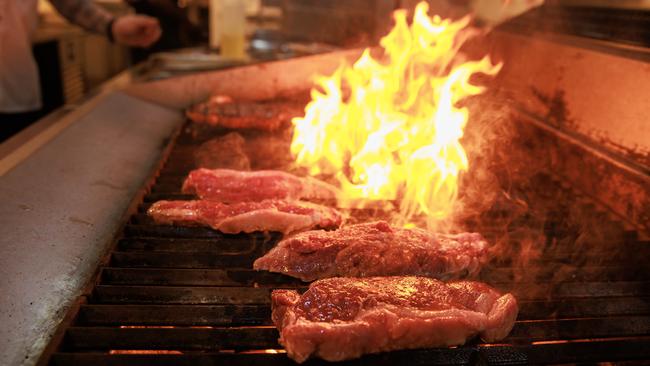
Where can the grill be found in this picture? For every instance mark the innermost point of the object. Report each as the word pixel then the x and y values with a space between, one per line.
pixel 188 296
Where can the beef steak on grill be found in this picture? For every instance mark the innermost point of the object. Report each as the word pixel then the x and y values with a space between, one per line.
pixel 226 151
pixel 269 215
pixel 344 318
pixel 226 185
pixel 222 111
pixel 253 152
pixel 376 249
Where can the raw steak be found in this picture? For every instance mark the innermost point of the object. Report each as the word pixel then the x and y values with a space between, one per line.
pixel 376 249
pixel 344 318
pixel 270 215
pixel 225 185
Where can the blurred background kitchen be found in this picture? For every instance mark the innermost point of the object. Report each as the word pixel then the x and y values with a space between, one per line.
pixel 209 34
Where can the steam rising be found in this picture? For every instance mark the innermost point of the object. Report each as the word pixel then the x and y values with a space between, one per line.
pixel 541 231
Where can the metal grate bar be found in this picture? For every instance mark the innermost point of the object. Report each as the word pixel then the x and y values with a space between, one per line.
pixel 179 260
pixel 562 329
pixel 170 232
pixel 578 274
pixel 585 307
pixel 458 356
pixel 180 295
pixel 200 338
pixel 576 351
pixel 192 277
pixel 188 245
pixel 259 337
pixel 178 315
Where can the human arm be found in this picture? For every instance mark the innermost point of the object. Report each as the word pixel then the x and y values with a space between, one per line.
pixel 130 30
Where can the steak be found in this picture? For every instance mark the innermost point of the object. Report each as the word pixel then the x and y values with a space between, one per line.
pixel 376 249
pixel 225 185
pixel 344 318
pixel 253 152
pixel 222 111
pixel 225 152
pixel 270 151
pixel 270 215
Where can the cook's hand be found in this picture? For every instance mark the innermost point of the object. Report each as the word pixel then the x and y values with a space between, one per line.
pixel 136 30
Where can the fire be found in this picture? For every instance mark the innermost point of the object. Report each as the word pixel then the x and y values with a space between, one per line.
pixel 389 128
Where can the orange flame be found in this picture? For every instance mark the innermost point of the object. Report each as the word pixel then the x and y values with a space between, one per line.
pixel 389 128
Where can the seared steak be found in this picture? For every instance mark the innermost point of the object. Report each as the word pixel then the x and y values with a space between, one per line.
pixel 225 185
pixel 257 152
pixel 225 152
pixel 222 111
pixel 344 318
pixel 270 215
pixel 376 249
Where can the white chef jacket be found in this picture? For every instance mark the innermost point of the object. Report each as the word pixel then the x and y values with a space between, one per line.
pixel 19 83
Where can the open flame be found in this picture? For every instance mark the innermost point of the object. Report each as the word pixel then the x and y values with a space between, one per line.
pixel 389 128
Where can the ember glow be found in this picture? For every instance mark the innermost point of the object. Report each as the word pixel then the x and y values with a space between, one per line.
pixel 388 127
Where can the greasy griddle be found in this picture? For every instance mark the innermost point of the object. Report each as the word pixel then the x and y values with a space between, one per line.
pixel 187 295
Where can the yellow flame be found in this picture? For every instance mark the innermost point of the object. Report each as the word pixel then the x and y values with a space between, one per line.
pixel 389 128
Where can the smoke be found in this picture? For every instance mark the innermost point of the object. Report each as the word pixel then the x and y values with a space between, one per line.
pixel 543 234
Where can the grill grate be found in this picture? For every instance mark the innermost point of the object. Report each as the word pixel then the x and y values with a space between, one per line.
pixel 187 296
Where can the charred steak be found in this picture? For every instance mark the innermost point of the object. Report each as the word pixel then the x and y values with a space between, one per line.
pixel 376 249
pixel 344 318
pixel 270 215
pixel 225 185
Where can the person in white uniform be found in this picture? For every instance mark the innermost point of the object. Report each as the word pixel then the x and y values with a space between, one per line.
pixel 20 92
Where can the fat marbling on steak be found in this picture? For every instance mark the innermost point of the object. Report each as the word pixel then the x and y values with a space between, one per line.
pixel 376 249
pixel 226 185
pixel 269 215
pixel 344 318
